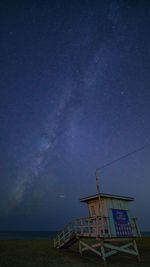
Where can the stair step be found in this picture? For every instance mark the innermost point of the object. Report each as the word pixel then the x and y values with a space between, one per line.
pixel 69 242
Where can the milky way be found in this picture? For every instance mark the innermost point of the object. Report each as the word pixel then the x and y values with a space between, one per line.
pixel 75 95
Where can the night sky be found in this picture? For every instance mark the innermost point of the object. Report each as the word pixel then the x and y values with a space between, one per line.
pixel 74 95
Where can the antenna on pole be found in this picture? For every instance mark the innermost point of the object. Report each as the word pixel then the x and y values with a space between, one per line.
pixel 100 202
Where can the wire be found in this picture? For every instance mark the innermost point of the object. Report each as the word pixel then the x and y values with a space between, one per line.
pixel 123 157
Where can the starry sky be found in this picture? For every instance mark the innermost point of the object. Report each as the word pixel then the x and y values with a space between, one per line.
pixel 74 95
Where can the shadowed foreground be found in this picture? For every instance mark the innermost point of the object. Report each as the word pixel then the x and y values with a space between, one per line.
pixel 40 253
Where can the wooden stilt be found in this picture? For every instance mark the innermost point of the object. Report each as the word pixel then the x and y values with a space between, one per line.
pixel 90 248
pixel 103 252
pixel 136 249
pixel 128 248
pixel 80 248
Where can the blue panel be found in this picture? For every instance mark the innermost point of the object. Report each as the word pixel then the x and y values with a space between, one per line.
pixel 122 224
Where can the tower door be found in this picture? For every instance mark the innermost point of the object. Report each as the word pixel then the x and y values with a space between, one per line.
pixel 93 209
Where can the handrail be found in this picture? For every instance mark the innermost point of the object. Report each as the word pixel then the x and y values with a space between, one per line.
pixel 64 228
pixel 89 218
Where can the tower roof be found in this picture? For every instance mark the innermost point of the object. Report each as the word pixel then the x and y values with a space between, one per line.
pixel 103 195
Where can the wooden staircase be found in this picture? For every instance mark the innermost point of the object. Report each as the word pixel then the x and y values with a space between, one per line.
pixel 84 227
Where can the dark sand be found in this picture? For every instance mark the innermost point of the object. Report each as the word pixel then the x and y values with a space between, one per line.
pixel 19 253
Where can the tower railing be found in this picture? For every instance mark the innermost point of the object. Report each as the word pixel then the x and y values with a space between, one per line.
pixel 86 227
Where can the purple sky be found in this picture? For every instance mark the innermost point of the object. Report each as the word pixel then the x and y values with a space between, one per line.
pixel 74 95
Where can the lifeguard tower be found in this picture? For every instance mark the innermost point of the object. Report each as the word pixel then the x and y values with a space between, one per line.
pixel 109 224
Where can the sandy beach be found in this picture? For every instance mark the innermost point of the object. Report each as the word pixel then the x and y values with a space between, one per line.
pixel 40 253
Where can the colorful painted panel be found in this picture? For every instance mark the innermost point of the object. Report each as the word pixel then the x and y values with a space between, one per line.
pixel 122 224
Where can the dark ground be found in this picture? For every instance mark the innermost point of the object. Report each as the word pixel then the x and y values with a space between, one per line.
pixel 40 253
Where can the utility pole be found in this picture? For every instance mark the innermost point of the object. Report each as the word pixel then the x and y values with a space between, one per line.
pixel 100 202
